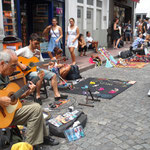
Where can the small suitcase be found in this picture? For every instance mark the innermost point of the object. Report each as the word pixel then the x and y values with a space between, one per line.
pixel 59 131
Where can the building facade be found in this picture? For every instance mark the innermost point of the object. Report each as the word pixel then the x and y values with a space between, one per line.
pixel 23 17
pixel 89 15
pixel 122 9
pixel 1 26
pixel 142 10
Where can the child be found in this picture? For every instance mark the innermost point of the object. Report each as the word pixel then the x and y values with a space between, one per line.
pixel 82 48
pixel 63 68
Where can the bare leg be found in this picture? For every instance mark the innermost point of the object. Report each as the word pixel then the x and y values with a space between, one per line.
pixel 38 87
pixel 54 86
pixel 81 53
pixel 114 43
pixel 117 43
pixel 96 46
pixel 50 55
pixel 73 57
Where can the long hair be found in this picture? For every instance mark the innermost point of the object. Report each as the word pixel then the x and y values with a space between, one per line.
pixel 80 37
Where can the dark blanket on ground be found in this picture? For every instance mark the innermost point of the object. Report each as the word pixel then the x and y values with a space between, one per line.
pixel 101 88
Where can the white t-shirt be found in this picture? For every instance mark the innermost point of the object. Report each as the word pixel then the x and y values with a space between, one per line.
pixel 88 39
pixel 27 53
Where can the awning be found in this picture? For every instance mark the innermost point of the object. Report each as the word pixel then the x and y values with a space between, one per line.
pixel 136 1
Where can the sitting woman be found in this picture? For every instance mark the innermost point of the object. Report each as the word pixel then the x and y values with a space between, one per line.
pixel 82 48
pixel 91 44
pixel 62 69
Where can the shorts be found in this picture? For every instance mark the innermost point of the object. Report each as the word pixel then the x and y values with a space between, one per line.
pixel 127 34
pixel 48 74
pixel 91 46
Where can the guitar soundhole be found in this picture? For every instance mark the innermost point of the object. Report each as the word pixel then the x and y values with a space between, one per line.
pixel 31 64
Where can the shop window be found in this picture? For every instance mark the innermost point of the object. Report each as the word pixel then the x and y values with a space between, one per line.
pixel 79 13
pixel 58 12
pixel 90 2
pixel 9 16
pixel 80 1
pixel 89 15
pixel 144 16
pixel 99 3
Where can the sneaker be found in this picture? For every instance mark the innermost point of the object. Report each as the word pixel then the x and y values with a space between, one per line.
pixel 50 141
pixel 148 93
pixel 38 100
pixel 61 97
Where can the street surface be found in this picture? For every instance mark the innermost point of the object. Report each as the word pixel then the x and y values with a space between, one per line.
pixel 122 123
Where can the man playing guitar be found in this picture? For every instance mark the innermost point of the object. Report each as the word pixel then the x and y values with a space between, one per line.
pixel 29 114
pixel 33 50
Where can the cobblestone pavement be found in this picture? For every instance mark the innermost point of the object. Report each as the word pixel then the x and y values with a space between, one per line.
pixel 122 123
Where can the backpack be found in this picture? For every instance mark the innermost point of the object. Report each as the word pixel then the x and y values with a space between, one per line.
pixel 125 54
pixel 5 137
pixel 9 136
pixel 74 73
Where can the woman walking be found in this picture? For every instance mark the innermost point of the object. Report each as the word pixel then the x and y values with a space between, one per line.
pixel 55 33
pixel 72 38
pixel 116 34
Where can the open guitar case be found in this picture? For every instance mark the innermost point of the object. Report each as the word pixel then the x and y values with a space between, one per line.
pixel 59 131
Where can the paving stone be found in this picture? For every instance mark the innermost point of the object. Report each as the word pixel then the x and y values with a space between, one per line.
pixel 117 141
pixel 124 146
pixel 138 147
pixel 122 123
pixel 123 137
pixel 147 146
pixel 110 136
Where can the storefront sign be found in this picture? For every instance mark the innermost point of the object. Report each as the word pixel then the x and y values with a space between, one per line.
pixel 136 1
pixel 59 11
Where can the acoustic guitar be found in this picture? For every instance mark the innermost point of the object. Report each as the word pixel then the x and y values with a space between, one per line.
pixel 13 91
pixel 31 64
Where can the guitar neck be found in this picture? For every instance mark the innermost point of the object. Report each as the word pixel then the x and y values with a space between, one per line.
pixel 23 89
pixel 41 63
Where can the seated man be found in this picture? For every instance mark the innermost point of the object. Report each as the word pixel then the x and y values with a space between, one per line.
pixel 29 114
pixel 90 43
pixel 30 51
pixel 137 46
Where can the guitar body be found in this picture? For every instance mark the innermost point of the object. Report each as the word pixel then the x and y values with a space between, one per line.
pixel 27 62
pixel 9 111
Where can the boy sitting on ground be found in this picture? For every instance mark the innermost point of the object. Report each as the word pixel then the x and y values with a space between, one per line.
pixel 62 69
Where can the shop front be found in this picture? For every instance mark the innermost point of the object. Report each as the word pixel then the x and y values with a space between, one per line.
pixel 37 14
pixel 123 12
pixel 24 17
pixel 122 9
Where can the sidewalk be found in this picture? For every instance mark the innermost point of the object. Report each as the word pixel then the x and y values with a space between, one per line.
pixel 83 62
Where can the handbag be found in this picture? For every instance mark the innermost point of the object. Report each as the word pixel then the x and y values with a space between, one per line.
pixel 61 44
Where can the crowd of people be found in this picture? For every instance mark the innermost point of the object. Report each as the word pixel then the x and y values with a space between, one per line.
pixel 121 33
pixel 30 114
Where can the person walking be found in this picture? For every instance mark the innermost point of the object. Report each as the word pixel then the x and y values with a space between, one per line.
pixel 116 35
pixel 72 39
pixel 56 34
pixel 128 32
